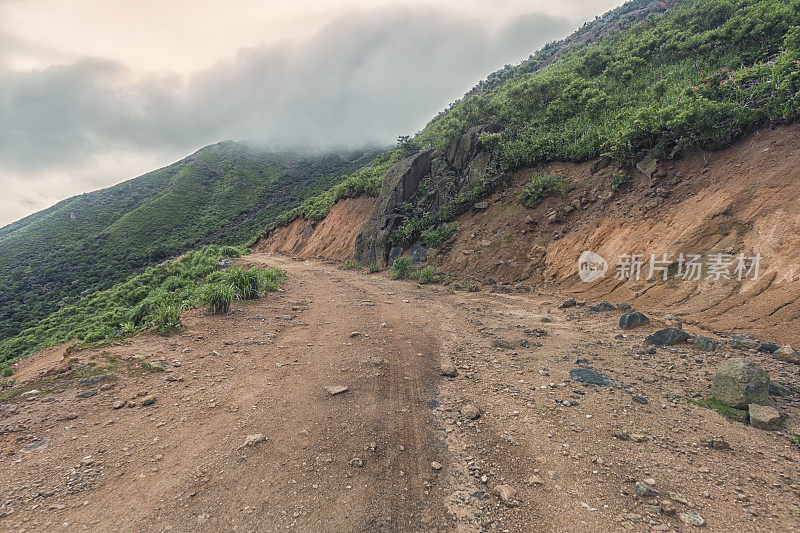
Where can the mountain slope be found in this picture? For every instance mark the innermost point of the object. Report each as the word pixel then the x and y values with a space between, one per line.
pixel 224 193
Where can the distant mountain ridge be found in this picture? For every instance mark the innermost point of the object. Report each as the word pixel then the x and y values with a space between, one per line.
pixel 223 193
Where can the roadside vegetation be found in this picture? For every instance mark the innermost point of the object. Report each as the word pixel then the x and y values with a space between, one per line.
pixel 541 186
pixel 152 300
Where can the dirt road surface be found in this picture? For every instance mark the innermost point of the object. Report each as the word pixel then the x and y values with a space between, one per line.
pixel 242 435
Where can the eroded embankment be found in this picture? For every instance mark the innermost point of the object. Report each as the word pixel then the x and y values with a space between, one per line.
pixel 331 238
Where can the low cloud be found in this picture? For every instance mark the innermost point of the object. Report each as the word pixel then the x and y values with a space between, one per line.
pixel 362 79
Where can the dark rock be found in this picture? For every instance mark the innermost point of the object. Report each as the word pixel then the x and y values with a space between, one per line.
pixel 705 343
pixel 88 393
pixel 639 399
pixel 633 319
pixel 645 491
pixel 591 377
pixel 395 253
pixel 768 347
pixel 567 303
pixel 601 306
pixel 491 281
pixel 744 342
pixel 418 253
pixel 668 337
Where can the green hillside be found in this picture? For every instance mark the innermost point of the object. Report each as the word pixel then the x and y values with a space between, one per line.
pixel 224 193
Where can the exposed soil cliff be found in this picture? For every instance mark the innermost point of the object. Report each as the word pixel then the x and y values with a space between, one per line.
pixel 332 238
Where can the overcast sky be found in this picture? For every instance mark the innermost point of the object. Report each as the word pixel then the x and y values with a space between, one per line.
pixel 93 92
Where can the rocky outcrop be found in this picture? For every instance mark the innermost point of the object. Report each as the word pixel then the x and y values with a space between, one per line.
pixel 465 162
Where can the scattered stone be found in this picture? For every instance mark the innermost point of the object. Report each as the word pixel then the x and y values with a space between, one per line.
pixel 535 480
pixel 507 494
pixel 148 400
pixel 743 342
pixel 740 382
pixel 668 337
pixel 500 343
pixel 692 518
pixel 787 354
pixel 644 490
pixel 764 417
pixel 632 319
pixel 639 437
pixel 470 411
pixel 448 369
pixel 252 440
pixel 640 399
pixel 119 404
pixel 354 334
pixel 567 303
pixel 601 306
pixel 591 377
pixel 668 507
pixel 157 366
pixel 356 462
pixel 333 390
pixel 88 393
pixel 707 344
pixel 717 443
pixel 37 445
pixel 436 465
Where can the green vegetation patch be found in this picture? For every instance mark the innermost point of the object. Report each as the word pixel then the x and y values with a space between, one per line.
pixel 737 415
pixel 151 300
pixel 541 186
pixel 350 265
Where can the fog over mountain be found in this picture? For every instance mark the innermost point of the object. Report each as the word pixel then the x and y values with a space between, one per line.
pixel 354 75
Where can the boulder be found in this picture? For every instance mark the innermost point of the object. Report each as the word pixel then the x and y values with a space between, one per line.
pixel 740 382
pixel 633 319
pixel 590 377
pixel 668 337
pixel 764 417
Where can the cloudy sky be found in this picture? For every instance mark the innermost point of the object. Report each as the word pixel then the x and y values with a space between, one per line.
pixel 93 92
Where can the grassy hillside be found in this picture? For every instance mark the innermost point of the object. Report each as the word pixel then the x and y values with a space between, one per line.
pixel 702 74
pixel 225 193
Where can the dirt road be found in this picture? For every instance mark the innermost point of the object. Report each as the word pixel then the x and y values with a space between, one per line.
pixel 399 450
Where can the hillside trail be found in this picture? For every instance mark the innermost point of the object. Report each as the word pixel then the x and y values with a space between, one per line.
pixel 510 443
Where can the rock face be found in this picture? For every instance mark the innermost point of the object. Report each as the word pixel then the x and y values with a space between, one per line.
pixel 764 417
pixel 668 337
pixel 740 382
pixel 466 161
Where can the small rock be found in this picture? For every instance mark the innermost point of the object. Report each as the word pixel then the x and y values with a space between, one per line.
pixel 668 337
pixel 567 303
pixel 743 342
pixel 88 393
pixel 764 417
pixel 119 404
pixel 333 390
pixel 601 306
pixel 535 480
pixel 707 344
pixel 356 462
pixel 507 494
pixel 591 377
pixel 148 400
pixel 787 354
pixel 639 399
pixel 436 465
pixel 644 490
pixel 470 411
pixel 668 507
pixel 632 319
pixel 448 369
pixel 692 518
pixel 252 440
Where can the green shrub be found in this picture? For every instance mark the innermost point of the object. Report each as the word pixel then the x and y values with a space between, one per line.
pixel 246 282
pixel 403 268
pixel 7 372
pixel 427 275
pixel 374 267
pixel 349 265
pixel 217 297
pixel 436 237
pixel 541 186
pixel 166 315
pixel 272 279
